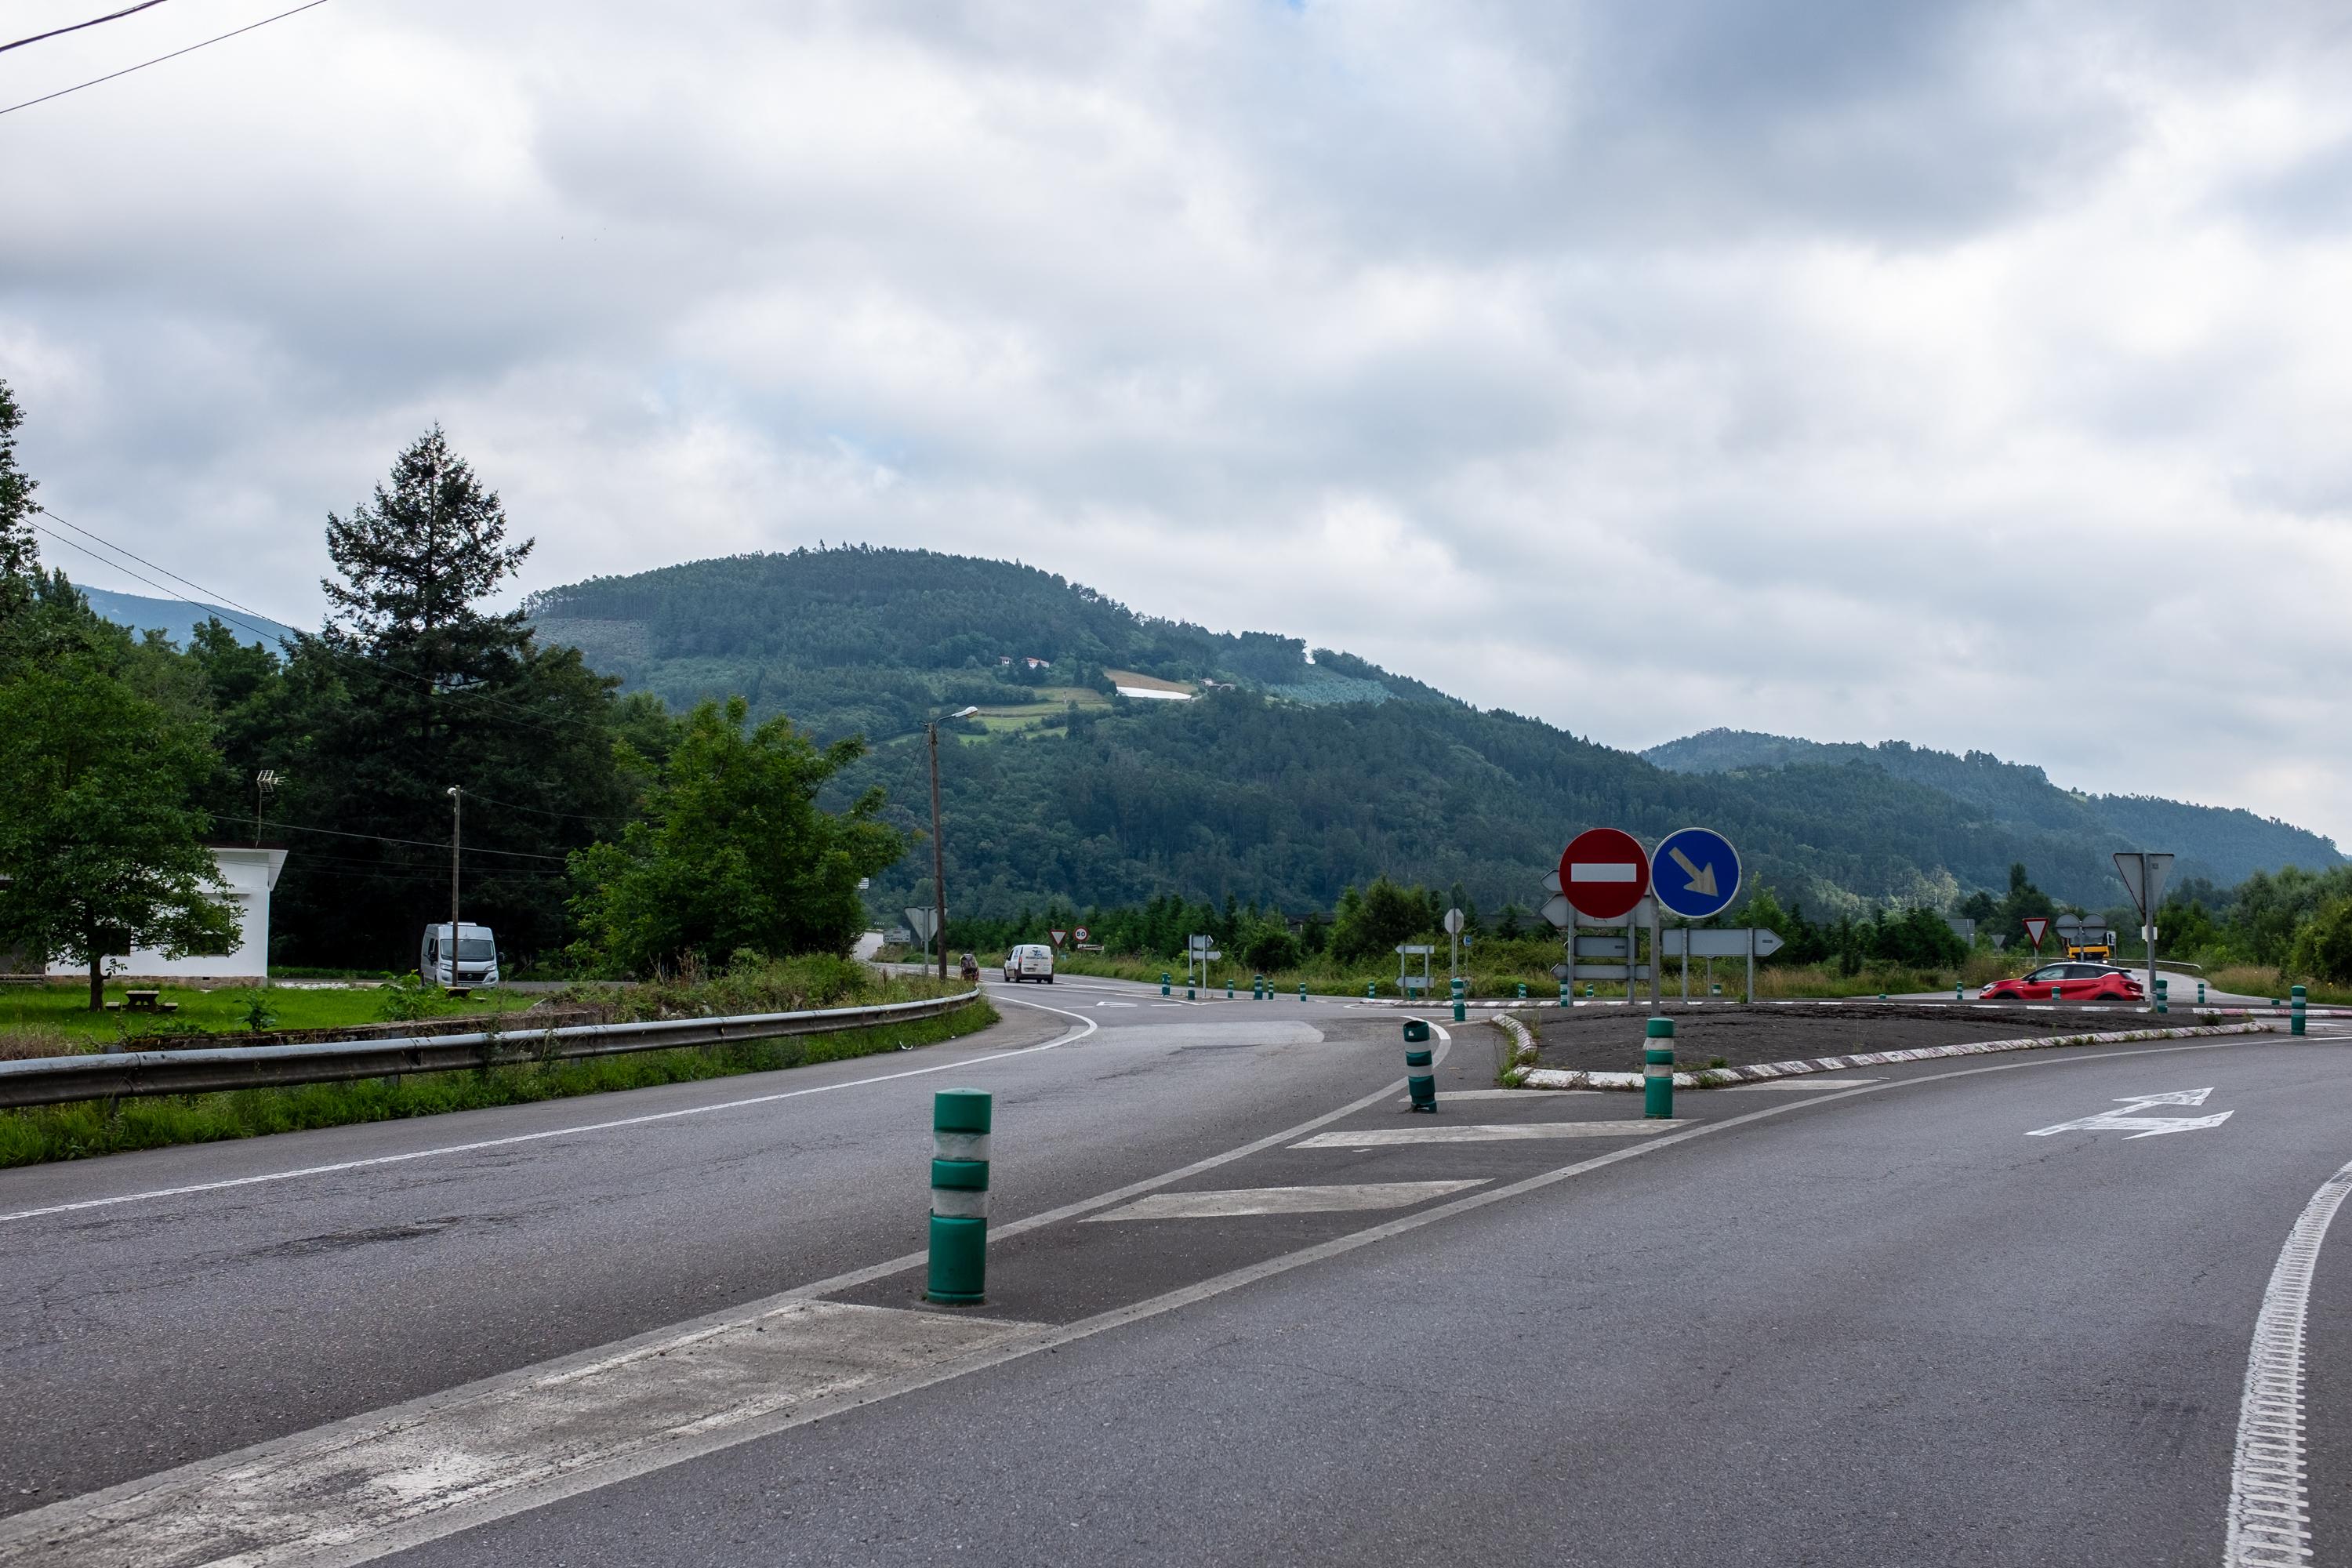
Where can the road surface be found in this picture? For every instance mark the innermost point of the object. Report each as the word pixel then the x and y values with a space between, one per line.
pixel 1244 1306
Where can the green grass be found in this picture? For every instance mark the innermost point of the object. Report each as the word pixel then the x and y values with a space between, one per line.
pixel 87 1128
pixel 60 1012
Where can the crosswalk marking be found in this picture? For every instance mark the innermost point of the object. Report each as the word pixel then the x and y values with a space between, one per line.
pixel 1286 1199
pixel 1477 1132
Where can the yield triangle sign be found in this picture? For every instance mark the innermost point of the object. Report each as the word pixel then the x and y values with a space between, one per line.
pixel 2035 925
pixel 1058 936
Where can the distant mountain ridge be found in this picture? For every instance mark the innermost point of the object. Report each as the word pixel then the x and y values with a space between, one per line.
pixel 1291 775
pixel 2229 843
pixel 179 618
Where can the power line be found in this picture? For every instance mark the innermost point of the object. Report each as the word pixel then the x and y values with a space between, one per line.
pixel 78 26
pixel 543 811
pixel 158 59
pixel 372 662
pixel 381 839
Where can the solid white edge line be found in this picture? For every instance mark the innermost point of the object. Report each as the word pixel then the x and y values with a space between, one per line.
pixel 2270 1515
pixel 463 1517
pixel 1064 1039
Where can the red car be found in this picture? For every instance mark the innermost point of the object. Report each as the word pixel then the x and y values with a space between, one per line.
pixel 2068 982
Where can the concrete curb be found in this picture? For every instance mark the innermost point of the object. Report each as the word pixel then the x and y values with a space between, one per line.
pixel 1719 1077
pixel 2219 1009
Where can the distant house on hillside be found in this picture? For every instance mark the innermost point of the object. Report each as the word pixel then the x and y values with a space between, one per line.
pixel 251 872
pixel 1037 663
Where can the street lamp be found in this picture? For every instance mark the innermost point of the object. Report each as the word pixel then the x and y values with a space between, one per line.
pixel 264 784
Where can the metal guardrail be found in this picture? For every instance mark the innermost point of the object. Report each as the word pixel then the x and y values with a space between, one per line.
pixel 51 1081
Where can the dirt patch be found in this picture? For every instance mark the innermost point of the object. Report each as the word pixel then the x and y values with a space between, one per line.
pixel 1609 1039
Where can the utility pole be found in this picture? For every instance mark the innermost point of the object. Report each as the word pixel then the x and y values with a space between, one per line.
pixel 939 857
pixel 456 838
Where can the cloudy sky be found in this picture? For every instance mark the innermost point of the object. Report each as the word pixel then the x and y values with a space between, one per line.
pixel 1977 375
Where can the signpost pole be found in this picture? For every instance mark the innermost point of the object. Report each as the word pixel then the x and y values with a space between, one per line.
pixel 1751 966
pixel 1658 959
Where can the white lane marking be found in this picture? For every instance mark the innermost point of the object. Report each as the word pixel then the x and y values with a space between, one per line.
pixel 2124 1120
pixel 1286 1199
pixel 34 1524
pixel 1519 1096
pixel 1119 1004
pixel 2270 1517
pixel 325 1497
pixel 1489 1133
pixel 1775 1083
pixel 1088 1027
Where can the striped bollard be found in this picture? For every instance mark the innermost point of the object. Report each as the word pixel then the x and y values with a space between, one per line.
pixel 1302 991
pixel 1420 1068
pixel 2200 993
pixel 1715 988
pixel 958 1273
pixel 1163 982
pixel 1658 1069
pixel 1589 991
pixel 1564 994
pixel 2163 994
pixel 1187 990
pixel 2054 989
pixel 1959 991
pixel 1371 989
pixel 1229 987
pixel 1258 987
pixel 1523 990
pixel 1459 988
pixel 2294 1024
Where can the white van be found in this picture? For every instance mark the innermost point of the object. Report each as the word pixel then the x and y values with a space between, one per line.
pixel 474 960
pixel 1030 961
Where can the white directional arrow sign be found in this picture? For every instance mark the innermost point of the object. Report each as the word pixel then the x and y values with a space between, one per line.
pixel 1702 881
pixel 2125 1120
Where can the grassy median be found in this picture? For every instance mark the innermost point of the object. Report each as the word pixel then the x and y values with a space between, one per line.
pixel 84 1128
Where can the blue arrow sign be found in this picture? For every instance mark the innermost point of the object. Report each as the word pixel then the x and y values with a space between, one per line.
pixel 1695 873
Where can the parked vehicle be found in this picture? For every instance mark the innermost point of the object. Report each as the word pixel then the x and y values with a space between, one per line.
pixel 471 961
pixel 1030 961
pixel 2071 982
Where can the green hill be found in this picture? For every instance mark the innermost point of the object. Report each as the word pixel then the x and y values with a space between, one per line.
pixel 1284 777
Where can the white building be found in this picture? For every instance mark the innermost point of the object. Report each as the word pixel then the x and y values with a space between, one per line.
pixel 251 872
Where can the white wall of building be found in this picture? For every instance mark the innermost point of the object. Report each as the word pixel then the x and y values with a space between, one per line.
pixel 251 873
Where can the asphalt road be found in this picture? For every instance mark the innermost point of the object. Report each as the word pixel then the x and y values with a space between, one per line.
pixel 1860 1323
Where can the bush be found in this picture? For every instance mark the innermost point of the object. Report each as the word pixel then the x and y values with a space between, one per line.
pixel 2324 946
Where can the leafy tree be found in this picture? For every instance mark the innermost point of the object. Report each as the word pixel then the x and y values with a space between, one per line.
pixel 102 846
pixel 19 556
pixel 1376 920
pixel 2323 946
pixel 734 852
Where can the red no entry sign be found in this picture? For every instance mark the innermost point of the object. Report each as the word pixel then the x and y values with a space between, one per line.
pixel 1604 873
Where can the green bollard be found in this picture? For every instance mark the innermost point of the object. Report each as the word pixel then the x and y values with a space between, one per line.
pixel 959 1260
pixel 1459 988
pixel 2200 993
pixel 1959 991
pixel 1589 992
pixel 1229 987
pixel 1371 989
pixel 1563 993
pixel 1258 987
pixel 1187 990
pixel 2294 1025
pixel 1163 982
pixel 2163 994
pixel 1523 990
pixel 1420 1068
pixel 1658 1070
pixel 1715 988
pixel 1302 991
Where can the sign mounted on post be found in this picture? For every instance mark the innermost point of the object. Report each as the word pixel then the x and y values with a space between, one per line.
pixel 2035 925
pixel 1696 873
pixel 1603 873
pixel 1081 933
pixel 1057 936
pixel 925 925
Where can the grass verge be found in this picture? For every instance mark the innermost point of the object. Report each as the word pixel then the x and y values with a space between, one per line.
pixel 85 1128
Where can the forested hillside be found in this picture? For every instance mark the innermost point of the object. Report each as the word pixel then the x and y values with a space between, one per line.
pixel 1307 774
pixel 2222 845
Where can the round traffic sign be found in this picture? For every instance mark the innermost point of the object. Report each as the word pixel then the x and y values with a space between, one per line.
pixel 1697 873
pixel 1604 873
pixel 1082 934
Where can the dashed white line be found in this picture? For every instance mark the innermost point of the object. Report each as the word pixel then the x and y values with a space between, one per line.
pixel 2270 1515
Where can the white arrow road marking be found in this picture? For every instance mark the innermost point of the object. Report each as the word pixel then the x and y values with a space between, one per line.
pixel 2142 1126
pixel 1701 882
